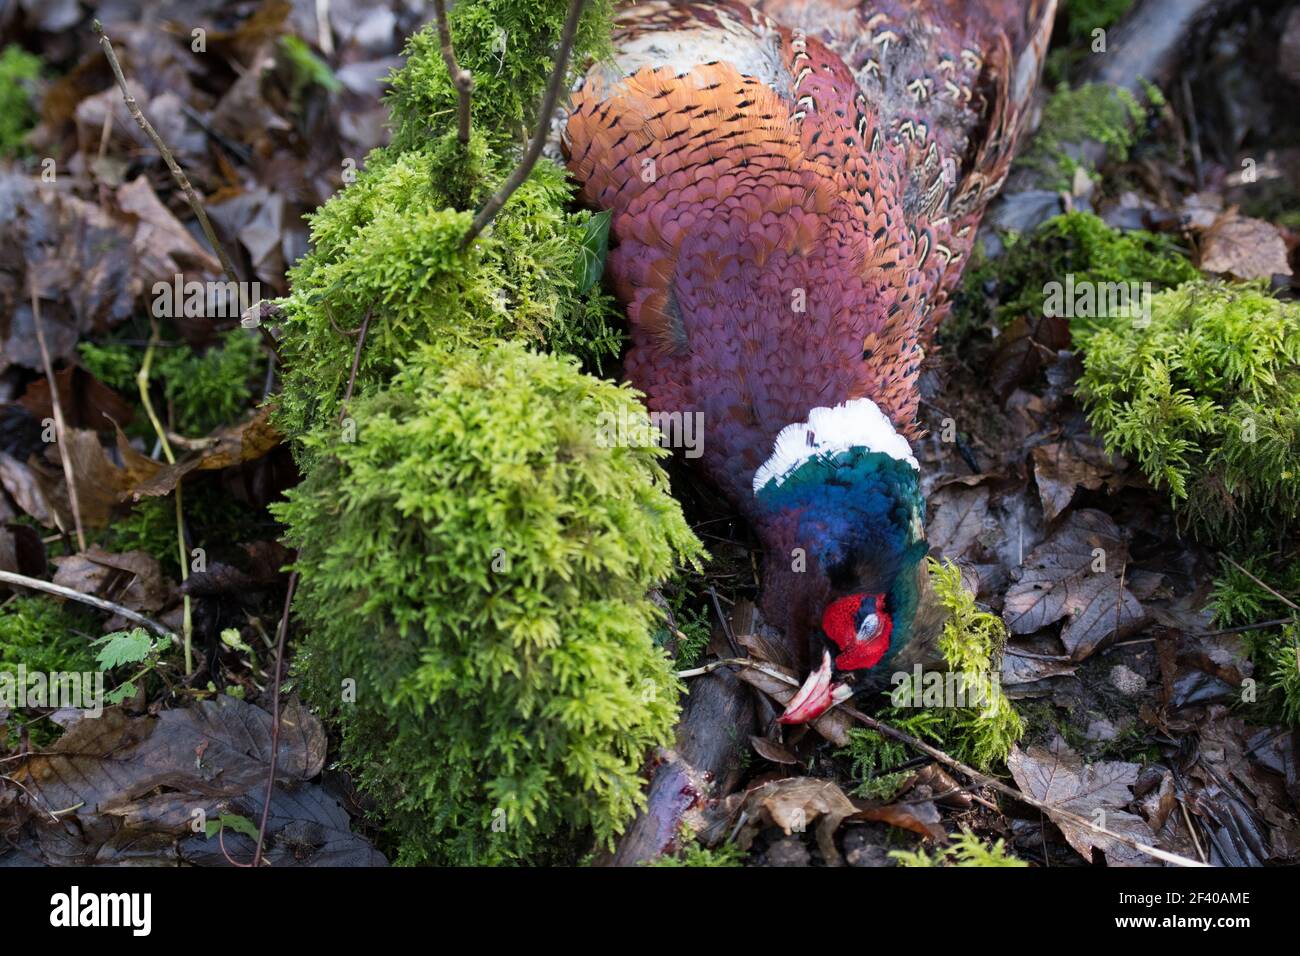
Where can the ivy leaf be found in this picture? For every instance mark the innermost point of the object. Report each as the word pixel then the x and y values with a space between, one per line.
pixel 590 263
pixel 123 647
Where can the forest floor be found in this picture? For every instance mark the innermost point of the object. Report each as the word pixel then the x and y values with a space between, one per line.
pixel 1131 690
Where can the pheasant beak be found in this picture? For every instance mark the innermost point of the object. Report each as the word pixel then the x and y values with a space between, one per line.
pixel 816 696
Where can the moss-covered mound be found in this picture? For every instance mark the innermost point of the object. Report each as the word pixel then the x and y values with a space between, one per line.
pixel 509 47
pixel 389 246
pixel 477 562
pixel 1078 244
pixel 1092 113
pixel 1206 397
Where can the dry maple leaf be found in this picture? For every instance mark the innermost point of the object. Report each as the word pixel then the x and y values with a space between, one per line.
pixel 1098 792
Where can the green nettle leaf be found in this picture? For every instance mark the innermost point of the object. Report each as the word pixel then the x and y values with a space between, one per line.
pixel 590 263
pixel 123 647
pixel 120 693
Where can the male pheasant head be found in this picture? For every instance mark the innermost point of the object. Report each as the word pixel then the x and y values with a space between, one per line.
pixel 839 507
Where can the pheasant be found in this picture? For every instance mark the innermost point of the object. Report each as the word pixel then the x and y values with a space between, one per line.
pixel 795 187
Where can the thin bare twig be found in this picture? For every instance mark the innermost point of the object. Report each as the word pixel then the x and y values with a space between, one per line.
pixel 461 78
pixel 726 625
pixel 60 429
pixel 1281 597
pixel 178 174
pixel 1258 626
pixel 36 584
pixel 493 205
pixel 275 716
pixel 1055 812
pixel 943 758
pixel 356 364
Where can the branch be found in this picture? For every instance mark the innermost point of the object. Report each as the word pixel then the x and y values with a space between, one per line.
pixel 971 772
pixel 356 364
pixel 1000 787
pixel 60 429
pixel 493 206
pixel 178 174
pixel 36 584
pixel 460 77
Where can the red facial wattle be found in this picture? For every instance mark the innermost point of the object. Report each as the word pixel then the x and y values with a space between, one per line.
pixel 841 624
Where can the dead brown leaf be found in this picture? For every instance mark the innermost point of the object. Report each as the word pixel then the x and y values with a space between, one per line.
pixel 226 447
pixel 794 804
pixel 1243 247
pixel 919 816
pixel 21 551
pixel 217 747
pixel 1076 574
pixel 31 490
pixel 1063 467
pixel 959 517
pixel 1099 792
pixel 773 751
pixel 85 401
pixel 133 578
pixel 100 483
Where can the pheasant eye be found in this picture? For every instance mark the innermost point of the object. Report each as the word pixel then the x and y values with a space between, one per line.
pixel 861 627
pixel 840 619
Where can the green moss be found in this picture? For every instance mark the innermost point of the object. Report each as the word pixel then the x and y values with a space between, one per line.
pixel 1083 16
pixel 19 73
pixel 388 245
pixel 966 850
pixel 43 635
pixel 1281 668
pixel 1206 398
pixel 726 855
pixel 213 517
pixel 509 47
pixel 872 756
pixel 980 733
pixel 1078 244
pixel 691 618
pixel 1238 599
pixel 971 643
pixel 1076 20
pixel 1092 112
pixel 478 563
pixel 203 390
